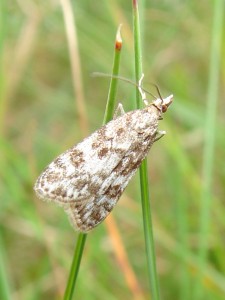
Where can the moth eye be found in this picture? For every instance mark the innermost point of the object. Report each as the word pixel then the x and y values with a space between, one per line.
pixel 164 108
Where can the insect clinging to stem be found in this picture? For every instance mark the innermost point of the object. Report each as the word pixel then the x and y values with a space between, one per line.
pixel 88 179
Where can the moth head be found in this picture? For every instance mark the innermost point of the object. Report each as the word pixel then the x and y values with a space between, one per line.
pixel 163 104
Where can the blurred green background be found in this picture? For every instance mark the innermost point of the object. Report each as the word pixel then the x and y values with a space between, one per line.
pixel 49 102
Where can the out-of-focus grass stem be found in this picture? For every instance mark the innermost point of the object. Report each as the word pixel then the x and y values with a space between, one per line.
pixel 209 144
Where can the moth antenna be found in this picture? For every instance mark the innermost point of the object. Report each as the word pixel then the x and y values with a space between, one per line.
pixel 158 91
pixel 99 74
pixel 164 106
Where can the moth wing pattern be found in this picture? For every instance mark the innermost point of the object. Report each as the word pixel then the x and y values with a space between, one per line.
pixel 88 179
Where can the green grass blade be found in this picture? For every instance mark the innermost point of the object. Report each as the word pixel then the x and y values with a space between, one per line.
pixel 137 50
pixel 145 195
pixel 209 145
pixel 5 291
pixel 107 117
pixel 4 285
pixel 75 266
pixel 110 106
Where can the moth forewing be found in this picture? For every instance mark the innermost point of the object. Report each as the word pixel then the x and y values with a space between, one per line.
pixel 89 178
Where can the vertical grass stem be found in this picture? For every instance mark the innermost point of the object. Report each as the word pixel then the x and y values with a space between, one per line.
pixel 145 195
pixel 108 115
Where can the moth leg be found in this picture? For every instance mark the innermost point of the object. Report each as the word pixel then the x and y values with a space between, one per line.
pixel 159 135
pixel 119 111
pixel 142 93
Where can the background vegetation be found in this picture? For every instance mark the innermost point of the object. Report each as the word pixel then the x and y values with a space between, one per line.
pixel 49 102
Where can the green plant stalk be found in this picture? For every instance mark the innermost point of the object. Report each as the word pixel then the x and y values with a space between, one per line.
pixel 137 50
pixel 75 266
pixel 145 195
pixel 209 145
pixel 5 291
pixel 110 105
pixel 107 117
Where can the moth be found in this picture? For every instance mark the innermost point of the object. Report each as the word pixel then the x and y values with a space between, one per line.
pixel 88 179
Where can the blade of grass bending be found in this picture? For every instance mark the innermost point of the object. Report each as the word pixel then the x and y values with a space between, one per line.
pixel 209 145
pixel 107 117
pixel 146 210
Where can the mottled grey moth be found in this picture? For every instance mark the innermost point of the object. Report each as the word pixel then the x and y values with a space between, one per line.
pixel 88 179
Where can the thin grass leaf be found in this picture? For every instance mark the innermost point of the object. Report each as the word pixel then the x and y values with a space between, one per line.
pixel 145 195
pixel 108 115
pixel 5 291
pixel 110 106
pixel 69 20
pixel 75 266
